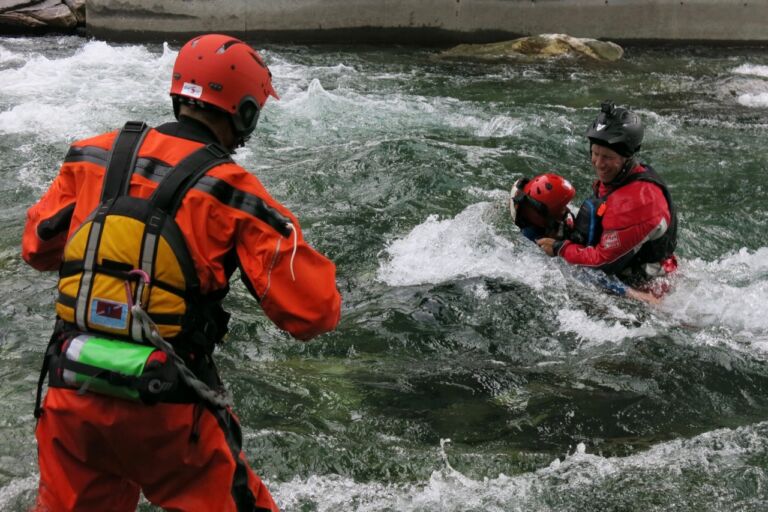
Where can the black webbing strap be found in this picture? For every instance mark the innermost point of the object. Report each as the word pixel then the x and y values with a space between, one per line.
pixel 163 203
pixel 109 376
pixel 122 160
pixel 50 351
pixel 169 194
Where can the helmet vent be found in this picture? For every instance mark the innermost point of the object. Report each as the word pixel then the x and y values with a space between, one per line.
pixel 226 46
pixel 215 86
pixel 257 59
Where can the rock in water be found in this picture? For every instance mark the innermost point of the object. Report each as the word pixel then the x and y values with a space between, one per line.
pixel 78 9
pixel 49 14
pixel 542 46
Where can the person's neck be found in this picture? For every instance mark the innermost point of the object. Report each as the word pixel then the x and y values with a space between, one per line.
pixel 623 173
pixel 218 125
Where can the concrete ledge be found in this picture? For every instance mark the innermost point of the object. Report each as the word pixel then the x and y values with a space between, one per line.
pixel 430 21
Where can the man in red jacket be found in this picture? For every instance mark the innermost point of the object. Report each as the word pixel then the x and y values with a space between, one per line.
pixel 629 227
pixel 146 226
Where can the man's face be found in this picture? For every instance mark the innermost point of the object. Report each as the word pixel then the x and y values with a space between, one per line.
pixel 607 163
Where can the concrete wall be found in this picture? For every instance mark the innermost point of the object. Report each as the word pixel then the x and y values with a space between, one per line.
pixel 430 21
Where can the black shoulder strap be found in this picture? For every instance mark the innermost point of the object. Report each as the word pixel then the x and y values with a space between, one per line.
pixel 122 160
pixel 648 175
pixel 656 250
pixel 169 194
pixel 50 352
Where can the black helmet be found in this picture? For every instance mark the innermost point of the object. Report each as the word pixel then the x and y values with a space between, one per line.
pixel 616 128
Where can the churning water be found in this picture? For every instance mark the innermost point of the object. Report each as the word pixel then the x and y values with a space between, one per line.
pixel 470 371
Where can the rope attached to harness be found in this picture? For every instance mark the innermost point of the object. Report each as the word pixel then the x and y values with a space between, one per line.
pixel 218 399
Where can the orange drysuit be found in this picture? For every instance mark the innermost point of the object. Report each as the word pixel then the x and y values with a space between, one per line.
pixel 96 452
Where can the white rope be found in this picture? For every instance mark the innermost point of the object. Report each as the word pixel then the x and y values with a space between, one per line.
pixel 220 399
pixel 295 246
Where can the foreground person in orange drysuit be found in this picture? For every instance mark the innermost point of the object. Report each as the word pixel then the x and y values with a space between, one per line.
pixel 146 226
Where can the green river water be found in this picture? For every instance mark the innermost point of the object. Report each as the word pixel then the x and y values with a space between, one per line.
pixel 469 371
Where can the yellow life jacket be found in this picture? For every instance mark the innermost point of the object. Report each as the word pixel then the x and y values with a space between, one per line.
pixel 130 250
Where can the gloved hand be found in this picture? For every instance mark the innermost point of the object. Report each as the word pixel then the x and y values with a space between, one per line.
pixel 549 245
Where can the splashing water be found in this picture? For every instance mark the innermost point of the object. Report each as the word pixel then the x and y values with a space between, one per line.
pixel 555 396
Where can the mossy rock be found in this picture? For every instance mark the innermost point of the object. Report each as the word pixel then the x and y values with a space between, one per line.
pixel 542 46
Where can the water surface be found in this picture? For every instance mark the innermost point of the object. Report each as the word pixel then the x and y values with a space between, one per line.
pixel 470 371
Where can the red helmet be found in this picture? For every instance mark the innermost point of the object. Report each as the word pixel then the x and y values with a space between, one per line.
pixel 541 201
pixel 224 72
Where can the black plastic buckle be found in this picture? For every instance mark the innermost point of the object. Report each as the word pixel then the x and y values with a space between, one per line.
pixel 217 151
pixel 135 126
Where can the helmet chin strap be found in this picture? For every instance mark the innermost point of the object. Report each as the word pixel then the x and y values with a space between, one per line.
pixel 624 172
pixel 240 139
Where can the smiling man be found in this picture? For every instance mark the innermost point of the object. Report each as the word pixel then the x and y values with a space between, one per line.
pixel 628 228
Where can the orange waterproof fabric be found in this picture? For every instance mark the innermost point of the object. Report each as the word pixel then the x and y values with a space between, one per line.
pixel 306 307
pixel 96 453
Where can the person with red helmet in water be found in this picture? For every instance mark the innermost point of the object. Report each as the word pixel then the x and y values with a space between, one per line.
pixel 628 228
pixel 145 227
pixel 539 206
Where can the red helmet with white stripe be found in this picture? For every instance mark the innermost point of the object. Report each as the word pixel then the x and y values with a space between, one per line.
pixel 223 72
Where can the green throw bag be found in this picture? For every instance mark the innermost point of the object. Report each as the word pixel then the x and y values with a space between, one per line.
pixel 117 368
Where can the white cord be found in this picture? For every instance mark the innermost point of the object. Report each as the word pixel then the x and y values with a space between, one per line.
pixel 220 399
pixel 295 246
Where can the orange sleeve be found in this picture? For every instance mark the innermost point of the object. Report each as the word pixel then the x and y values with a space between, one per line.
pixel 306 306
pixel 48 222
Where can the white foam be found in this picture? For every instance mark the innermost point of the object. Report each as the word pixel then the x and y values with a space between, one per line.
pixel 594 330
pixel 729 293
pixel 283 69
pixel 440 250
pixel 7 56
pixel 311 109
pixel 10 492
pixel 467 246
pixel 581 473
pixel 754 100
pixel 751 70
pixel 753 92
pixel 50 122
pixel 67 97
pixel 313 114
pixel 501 126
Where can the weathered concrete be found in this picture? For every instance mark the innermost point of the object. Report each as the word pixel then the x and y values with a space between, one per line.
pixel 438 21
